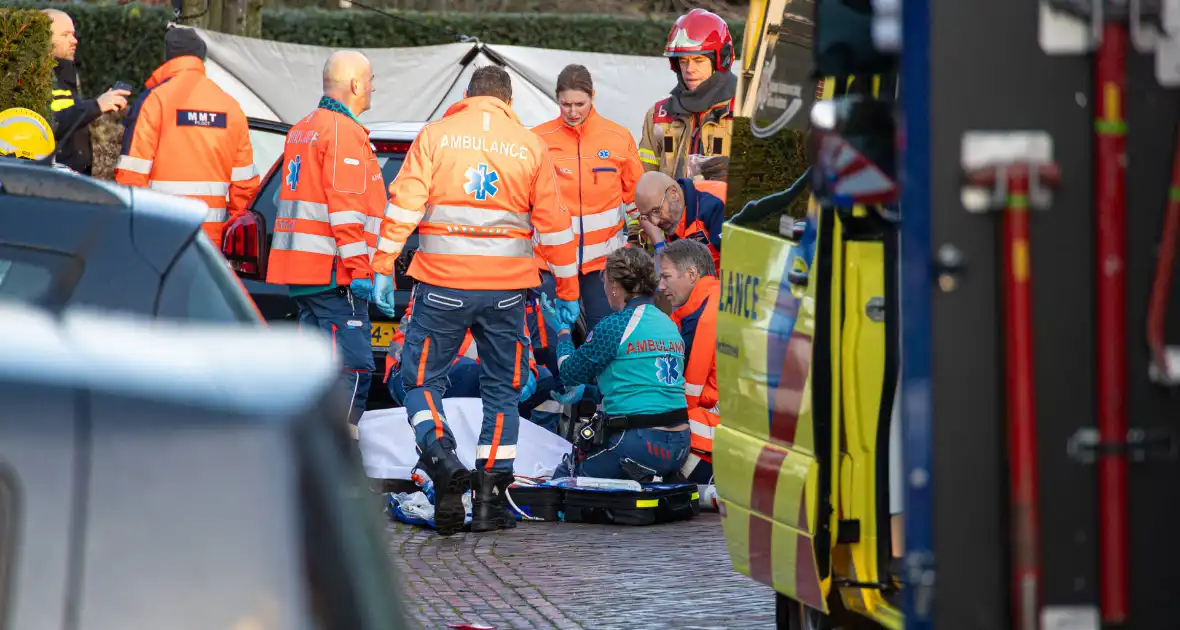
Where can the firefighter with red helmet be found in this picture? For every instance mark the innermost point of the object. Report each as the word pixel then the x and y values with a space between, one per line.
pixel 688 133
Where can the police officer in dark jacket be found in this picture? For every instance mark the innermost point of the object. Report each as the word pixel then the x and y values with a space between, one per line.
pixel 69 108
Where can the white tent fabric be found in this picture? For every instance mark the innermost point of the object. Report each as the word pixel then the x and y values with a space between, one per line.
pixel 281 82
pixel 387 441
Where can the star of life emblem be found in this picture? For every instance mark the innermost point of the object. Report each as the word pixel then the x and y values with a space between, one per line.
pixel 481 182
pixel 293 173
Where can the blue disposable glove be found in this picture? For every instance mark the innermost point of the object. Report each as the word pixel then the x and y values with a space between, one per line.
pixel 568 311
pixel 529 388
pixel 362 288
pixel 571 396
pixel 549 312
pixel 383 293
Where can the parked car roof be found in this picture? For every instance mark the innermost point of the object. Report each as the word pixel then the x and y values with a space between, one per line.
pixel 395 131
pixel 94 349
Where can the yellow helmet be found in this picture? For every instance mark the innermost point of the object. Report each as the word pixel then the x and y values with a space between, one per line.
pixel 25 134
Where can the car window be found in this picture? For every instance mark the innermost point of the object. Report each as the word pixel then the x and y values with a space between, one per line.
pixel 37 276
pixel 268 147
pixel 201 287
pixel 267 200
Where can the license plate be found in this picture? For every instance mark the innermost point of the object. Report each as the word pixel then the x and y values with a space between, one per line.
pixel 383 333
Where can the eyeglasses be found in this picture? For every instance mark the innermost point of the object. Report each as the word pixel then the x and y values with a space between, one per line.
pixel 663 200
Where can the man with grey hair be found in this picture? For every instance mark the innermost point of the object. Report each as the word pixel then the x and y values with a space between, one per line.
pixel 688 280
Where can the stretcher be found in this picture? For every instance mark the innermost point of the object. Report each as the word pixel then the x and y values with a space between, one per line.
pixel 388 451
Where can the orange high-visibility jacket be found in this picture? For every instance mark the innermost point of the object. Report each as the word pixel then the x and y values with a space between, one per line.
pixel 700 372
pixel 188 137
pixel 331 201
pixel 597 167
pixel 476 184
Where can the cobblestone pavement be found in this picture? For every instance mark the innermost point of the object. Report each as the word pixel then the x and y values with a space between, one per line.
pixel 565 575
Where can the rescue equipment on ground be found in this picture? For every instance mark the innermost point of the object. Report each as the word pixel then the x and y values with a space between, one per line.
pixel 25 134
pixel 605 501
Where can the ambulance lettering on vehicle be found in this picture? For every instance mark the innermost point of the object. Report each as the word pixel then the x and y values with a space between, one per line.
pixel 479 143
pixel 768 485
pixel 739 295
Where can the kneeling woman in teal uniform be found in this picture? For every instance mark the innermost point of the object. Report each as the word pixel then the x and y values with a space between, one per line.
pixel 636 355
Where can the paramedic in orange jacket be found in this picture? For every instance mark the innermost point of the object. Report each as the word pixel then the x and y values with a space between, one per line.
pixel 186 136
pixel 331 200
pixel 597 168
pixel 688 279
pixel 476 185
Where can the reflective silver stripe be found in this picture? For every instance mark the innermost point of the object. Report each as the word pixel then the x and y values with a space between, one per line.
pixel 599 221
pixel 556 238
pixel 564 271
pixel 549 406
pixel 425 415
pixel 484 451
pixel 216 215
pixel 389 247
pixel 478 217
pixel 134 164
pixel 692 389
pixel 402 215
pixel 561 359
pixel 632 323
pixel 243 173
pixel 598 250
pixel 298 242
pixel 346 217
pixel 690 464
pixel 373 225
pixel 352 250
pixel 472 352
pixel 202 189
pixel 305 210
pixel 700 428
pixel 475 246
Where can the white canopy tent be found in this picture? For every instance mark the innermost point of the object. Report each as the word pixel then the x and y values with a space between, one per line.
pixel 281 82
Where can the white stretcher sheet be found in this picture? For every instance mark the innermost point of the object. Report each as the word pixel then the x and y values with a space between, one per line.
pixel 387 442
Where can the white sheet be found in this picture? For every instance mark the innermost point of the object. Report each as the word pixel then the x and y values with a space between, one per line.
pixel 387 442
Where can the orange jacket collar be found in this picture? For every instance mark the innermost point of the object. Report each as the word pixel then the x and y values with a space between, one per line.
pixel 704 287
pixel 585 127
pixel 174 67
pixel 489 104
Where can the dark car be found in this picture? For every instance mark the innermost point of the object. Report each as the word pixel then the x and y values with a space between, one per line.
pixel 68 240
pixel 247 239
pixel 141 491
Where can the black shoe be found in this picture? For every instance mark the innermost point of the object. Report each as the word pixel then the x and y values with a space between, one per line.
pixel 489 510
pixel 451 479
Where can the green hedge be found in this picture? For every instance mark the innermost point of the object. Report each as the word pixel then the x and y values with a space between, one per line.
pixel 760 167
pixel 26 65
pixel 126 42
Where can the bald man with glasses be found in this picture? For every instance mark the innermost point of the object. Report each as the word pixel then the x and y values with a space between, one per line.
pixel 672 209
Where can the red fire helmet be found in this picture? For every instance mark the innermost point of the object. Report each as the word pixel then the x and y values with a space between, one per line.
pixel 700 32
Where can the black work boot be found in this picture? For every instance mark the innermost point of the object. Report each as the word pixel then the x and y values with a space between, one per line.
pixel 489 510
pixel 451 479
